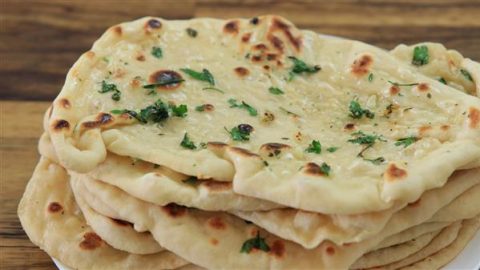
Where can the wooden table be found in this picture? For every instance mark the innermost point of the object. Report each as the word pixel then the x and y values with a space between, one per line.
pixel 40 40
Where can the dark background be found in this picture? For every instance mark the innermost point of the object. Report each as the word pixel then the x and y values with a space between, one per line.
pixel 40 40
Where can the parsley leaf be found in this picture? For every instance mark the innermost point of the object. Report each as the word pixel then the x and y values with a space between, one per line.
pixel 301 67
pixel 204 75
pixel 376 161
pixel 332 149
pixel 466 74
pixel 420 55
pixel 370 77
pixel 240 132
pixel 362 138
pixel 155 113
pixel 275 90
pixel 314 147
pixel 191 32
pixel 110 87
pixel 257 243
pixel 200 108
pixel 406 141
pixel 180 111
pixel 325 169
pixel 442 80
pixel 357 112
pixel 157 52
pixel 233 104
pixel 187 143
pixel 403 84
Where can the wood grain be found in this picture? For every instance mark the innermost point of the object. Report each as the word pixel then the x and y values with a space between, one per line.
pixel 41 39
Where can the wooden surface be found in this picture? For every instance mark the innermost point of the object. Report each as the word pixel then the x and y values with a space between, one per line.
pixel 40 40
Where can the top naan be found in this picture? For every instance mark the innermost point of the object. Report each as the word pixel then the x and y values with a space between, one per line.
pixel 388 133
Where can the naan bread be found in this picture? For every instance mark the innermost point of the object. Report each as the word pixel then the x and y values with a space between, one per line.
pixel 161 185
pixel 412 233
pixel 246 58
pixel 118 233
pixel 219 237
pixel 449 65
pixel 444 256
pixel 446 243
pixel 399 252
pixel 393 253
pixel 52 221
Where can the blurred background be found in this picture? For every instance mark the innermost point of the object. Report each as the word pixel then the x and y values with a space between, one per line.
pixel 41 39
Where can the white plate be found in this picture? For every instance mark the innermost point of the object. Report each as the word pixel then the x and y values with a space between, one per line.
pixel 468 259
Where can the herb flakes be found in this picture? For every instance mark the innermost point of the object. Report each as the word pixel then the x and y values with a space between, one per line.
pixel 466 74
pixel 406 141
pixel 191 32
pixel 420 55
pixel 233 104
pixel 357 112
pixel 255 243
pixel 204 75
pixel 110 87
pixel 187 143
pixel 314 147
pixel 275 91
pixel 240 132
pixel 157 52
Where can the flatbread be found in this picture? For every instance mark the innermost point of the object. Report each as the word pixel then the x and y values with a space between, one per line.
pixel 447 244
pixel 219 236
pixel 394 253
pixel 412 233
pixel 52 221
pixel 444 256
pixel 314 106
pixel 466 207
pixel 448 65
pixel 118 233
pixel 161 185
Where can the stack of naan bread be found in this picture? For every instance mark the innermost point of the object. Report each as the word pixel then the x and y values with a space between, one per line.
pixel 250 144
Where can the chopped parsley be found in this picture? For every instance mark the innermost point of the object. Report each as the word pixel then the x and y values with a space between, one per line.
pixel 240 132
pixel 214 89
pixel 192 180
pixel 191 32
pixel 233 104
pixel 442 80
pixel 357 112
pixel 370 77
pixel 257 242
pixel 300 67
pixel 314 147
pixel 376 161
pixel 366 139
pixel 275 90
pixel 110 87
pixel 157 52
pixel 332 149
pixel 403 84
pixel 204 75
pixel 156 113
pixel 420 55
pixel 406 141
pixel 180 111
pixel 325 169
pixel 187 143
pixel 466 74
